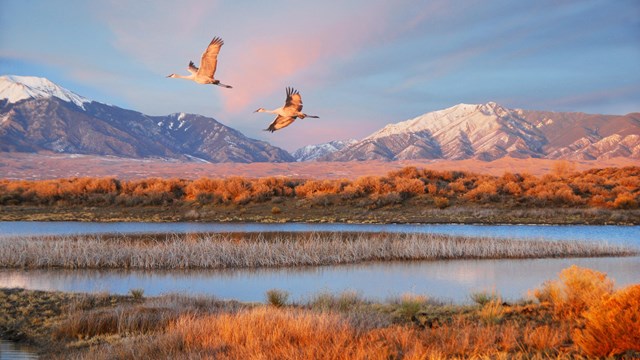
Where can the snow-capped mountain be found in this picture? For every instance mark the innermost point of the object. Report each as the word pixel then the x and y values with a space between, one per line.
pixel 17 88
pixel 313 152
pixel 36 115
pixel 490 131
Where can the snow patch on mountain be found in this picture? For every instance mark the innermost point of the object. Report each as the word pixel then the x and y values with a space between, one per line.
pixel 17 88
pixel 313 152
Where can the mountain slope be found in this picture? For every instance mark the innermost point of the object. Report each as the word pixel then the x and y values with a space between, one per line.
pixel 490 131
pixel 37 115
pixel 312 152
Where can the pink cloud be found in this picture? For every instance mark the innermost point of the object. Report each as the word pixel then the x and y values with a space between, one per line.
pixel 263 66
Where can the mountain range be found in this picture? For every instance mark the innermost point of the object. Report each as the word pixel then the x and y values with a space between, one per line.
pixel 490 131
pixel 37 115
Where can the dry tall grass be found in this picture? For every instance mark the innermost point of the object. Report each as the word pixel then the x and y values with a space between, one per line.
pixel 289 333
pixel 286 249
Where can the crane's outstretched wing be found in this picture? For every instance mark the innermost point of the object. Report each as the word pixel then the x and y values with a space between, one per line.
pixel 209 60
pixel 192 67
pixel 280 122
pixel 293 99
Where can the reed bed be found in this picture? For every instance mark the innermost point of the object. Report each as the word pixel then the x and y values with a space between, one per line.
pixel 215 251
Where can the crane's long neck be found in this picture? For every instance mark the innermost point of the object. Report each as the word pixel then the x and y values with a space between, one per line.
pixel 178 76
pixel 274 111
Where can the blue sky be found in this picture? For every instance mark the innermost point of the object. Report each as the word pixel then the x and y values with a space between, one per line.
pixel 358 64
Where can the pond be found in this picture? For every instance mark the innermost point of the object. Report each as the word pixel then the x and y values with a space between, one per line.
pixel 450 280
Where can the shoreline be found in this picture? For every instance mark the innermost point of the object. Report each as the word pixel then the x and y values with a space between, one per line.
pixel 290 212
pixel 103 326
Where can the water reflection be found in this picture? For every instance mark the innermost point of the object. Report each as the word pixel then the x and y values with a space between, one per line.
pixel 449 280
pixel 13 351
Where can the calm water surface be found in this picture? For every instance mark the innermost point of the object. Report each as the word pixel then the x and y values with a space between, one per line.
pixel 451 280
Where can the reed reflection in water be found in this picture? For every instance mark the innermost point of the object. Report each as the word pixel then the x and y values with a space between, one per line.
pixel 451 280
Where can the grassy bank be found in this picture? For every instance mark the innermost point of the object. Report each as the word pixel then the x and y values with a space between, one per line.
pixel 577 316
pixel 214 251
pixel 291 210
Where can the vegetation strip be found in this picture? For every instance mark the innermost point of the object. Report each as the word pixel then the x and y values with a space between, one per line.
pixel 578 315
pixel 599 196
pixel 214 251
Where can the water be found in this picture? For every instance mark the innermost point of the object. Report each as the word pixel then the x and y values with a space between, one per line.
pixel 12 351
pixel 629 235
pixel 451 280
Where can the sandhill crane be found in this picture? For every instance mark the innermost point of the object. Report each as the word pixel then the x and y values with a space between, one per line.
pixel 208 64
pixel 288 113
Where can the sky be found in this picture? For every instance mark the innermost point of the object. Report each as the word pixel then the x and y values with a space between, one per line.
pixel 358 64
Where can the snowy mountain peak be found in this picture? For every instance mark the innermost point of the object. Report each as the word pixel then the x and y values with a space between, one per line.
pixel 16 88
pixel 441 119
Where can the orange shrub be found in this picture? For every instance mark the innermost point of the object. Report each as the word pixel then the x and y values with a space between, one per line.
pixel 512 188
pixel 625 201
pixel 409 187
pixel 577 290
pixel 432 189
pixel 409 172
pixel 201 186
pixel 486 191
pixel 598 200
pixel 236 189
pixel 457 186
pixel 312 188
pixel 612 327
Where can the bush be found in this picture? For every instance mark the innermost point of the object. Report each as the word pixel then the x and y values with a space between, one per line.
pixel 137 294
pixel 277 298
pixel 612 327
pixel 625 201
pixel 575 292
pixel 484 297
pixel 409 305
